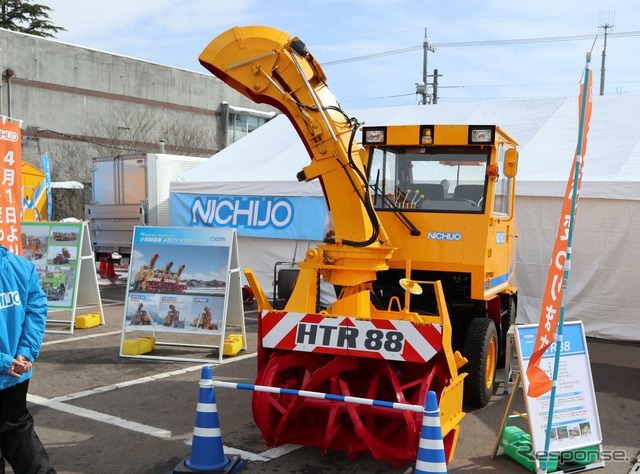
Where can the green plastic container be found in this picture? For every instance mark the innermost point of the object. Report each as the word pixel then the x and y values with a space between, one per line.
pixel 583 456
pixel 517 445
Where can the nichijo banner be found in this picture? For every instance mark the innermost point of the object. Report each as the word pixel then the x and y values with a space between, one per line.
pixel 10 184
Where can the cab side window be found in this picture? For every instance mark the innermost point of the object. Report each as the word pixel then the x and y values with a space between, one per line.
pixel 503 189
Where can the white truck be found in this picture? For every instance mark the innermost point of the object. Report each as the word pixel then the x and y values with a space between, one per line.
pixel 130 190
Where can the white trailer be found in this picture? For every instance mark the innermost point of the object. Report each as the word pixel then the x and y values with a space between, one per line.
pixel 130 190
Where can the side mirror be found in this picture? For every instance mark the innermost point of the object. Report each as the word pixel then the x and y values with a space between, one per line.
pixel 511 163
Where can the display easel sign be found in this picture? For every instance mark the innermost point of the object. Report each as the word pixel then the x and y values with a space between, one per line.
pixel 575 436
pixel 64 260
pixel 184 282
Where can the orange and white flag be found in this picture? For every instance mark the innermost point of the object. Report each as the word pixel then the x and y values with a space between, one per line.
pixel 10 185
pixel 539 381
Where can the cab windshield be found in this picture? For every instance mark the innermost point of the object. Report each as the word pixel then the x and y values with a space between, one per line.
pixel 428 179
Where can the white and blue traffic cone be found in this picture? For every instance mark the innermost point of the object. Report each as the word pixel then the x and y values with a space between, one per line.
pixel 431 456
pixel 207 452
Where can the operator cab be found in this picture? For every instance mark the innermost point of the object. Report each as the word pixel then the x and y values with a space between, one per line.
pixel 434 177
pixel 445 197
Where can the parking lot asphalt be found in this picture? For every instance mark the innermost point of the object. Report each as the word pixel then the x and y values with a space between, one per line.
pixel 97 412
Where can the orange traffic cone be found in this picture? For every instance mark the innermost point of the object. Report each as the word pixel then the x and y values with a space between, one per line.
pixel 207 453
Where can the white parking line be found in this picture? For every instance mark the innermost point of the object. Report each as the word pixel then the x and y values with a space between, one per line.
pixel 57 403
pixel 150 378
pixel 265 456
pixel 246 455
pixel 80 338
pixel 275 453
pixel 101 417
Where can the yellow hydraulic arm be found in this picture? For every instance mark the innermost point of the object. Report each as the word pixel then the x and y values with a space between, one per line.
pixel 268 66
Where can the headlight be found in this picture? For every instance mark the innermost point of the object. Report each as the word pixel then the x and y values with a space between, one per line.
pixel 481 135
pixel 374 135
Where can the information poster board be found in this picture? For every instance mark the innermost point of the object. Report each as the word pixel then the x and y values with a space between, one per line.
pixel 575 422
pixel 62 255
pixel 54 249
pixel 183 280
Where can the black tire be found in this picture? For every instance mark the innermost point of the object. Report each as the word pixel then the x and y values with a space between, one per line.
pixel 287 279
pixel 481 340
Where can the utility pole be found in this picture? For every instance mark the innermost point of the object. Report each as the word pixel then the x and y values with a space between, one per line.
pixel 435 85
pixel 605 25
pixel 425 79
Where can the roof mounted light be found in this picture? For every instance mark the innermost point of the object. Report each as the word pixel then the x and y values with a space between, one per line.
pixel 426 134
pixel 374 135
pixel 481 134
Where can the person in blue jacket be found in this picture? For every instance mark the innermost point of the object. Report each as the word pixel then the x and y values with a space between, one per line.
pixel 23 316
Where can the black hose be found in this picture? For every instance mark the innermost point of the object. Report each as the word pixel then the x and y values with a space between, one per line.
pixel 366 199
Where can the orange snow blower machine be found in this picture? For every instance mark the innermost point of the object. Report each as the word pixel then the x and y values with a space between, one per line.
pixel 422 273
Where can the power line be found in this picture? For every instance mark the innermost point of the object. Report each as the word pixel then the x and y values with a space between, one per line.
pixel 463 25
pixel 378 98
pixel 373 56
pixel 479 86
pixel 551 39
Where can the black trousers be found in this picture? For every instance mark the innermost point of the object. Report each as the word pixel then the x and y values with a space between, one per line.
pixel 19 443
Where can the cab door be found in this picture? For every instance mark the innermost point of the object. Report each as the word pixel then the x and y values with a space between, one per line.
pixel 500 263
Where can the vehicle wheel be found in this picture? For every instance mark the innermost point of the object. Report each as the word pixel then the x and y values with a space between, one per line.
pixel 481 350
pixel 287 279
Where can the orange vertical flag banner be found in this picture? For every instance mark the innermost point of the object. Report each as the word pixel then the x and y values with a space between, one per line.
pixel 10 185
pixel 539 381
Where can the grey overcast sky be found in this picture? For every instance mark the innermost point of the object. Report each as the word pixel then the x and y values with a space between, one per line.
pixel 372 50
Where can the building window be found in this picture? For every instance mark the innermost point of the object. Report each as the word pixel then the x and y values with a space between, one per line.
pixel 241 124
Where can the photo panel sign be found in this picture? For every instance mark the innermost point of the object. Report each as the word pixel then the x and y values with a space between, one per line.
pixel 54 248
pixel 178 280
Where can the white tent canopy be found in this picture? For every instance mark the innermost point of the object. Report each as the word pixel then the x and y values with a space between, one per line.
pixel 546 130
pixel 606 262
pixel 265 162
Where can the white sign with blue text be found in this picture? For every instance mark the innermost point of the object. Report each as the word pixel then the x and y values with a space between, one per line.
pixel 575 422
pixel 184 280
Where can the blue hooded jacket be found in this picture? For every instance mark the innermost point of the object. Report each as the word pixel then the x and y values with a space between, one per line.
pixel 23 314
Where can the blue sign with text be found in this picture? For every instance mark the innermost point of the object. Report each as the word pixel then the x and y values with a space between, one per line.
pixel 278 217
pixel 572 340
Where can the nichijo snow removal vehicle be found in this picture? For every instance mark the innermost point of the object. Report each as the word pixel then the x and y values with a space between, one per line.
pixel 423 273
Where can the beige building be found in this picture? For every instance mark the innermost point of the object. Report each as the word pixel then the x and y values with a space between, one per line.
pixel 77 103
